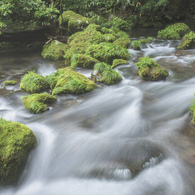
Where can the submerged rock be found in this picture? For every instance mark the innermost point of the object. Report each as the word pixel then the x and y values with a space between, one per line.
pixel 16 141
pixel 174 31
pixel 10 82
pixel 187 42
pixel 102 72
pixel 37 103
pixel 71 82
pixel 74 22
pixel 82 60
pixel 148 69
pixel 33 83
pixel 54 50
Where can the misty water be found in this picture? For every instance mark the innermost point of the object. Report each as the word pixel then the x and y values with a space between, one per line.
pixel 133 138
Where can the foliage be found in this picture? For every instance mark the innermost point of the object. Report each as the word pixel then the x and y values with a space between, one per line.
pixel 117 62
pixel 37 103
pixel 146 62
pixel 136 45
pixel 33 83
pixel 16 141
pixel 192 109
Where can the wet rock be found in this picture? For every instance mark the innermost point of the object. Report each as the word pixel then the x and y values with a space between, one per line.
pixel 16 141
pixel 148 69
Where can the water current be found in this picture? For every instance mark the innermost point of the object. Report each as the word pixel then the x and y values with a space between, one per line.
pixel 132 138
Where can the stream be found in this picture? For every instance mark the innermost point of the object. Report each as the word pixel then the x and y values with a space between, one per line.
pixel 133 138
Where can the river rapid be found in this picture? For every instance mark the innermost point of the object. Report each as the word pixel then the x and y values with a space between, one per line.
pixel 133 138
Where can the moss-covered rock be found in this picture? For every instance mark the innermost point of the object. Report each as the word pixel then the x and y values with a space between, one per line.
pixel 37 103
pixel 54 50
pixel 72 82
pixel 79 41
pixel 117 62
pixel 145 41
pixel 187 42
pixel 174 31
pixel 136 45
pixel 16 141
pixel 148 69
pixel 123 41
pixel 74 22
pixel 33 83
pixel 103 72
pixel 192 109
pixel 10 82
pixel 82 60
pixel 107 52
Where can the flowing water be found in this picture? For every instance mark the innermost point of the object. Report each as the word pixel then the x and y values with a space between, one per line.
pixel 132 138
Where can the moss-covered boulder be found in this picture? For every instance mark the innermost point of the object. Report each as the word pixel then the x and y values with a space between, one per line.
pixel 74 22
pixel 174 31
pixel 136 45
pixel 79 41
pixel 107 52
pixel 37 103
pixel 54 50
pixel 33 83
pixel 10 82
pixel 187 42
pixel 123 41
pixel 117 62
pixel 103 72
pixel 71 82
pixel 150 70
pixel 16 141
pixel 82 60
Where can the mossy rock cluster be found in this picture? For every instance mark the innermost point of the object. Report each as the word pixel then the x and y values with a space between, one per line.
pixel 67 81
pixel 108 44
pixel 37 103
pixel 16 141
pixel 54 50
pixel 174 31
pixel 103 72
pixel 150 70
pixel 137 44
pixel 73 22
pixel 33 83
pixel 187 42
pixel 10 82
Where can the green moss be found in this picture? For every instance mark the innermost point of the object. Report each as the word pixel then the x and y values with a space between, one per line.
pixel 123 42
pixel 37 103
pixel 187 41
pixel 102 72
pixel 81 40
pixel 107 52
pixel 72 82
pixel 33 83
pixel 82 60
pixel 148 69
pixel 117 62
pixel 136 45
pixel 74 22
pixel 145 41
pixel 52 79
pixel 109 37
pixel 175 31
pixel 55 50
pixel 10 82
pixel 16 141
pixel 192 109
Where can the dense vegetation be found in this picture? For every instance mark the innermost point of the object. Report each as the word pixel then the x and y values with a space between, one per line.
pixel 41 12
